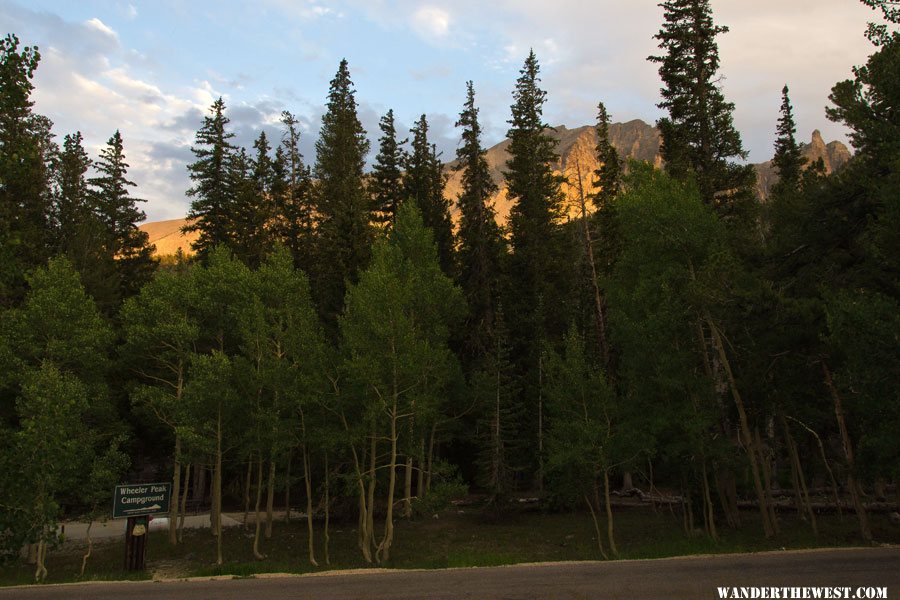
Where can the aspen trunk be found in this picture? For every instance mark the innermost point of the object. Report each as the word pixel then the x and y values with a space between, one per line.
pixel 834 485
pixel 798 478
pixel 430 458
pixel 259 484
pixel 596 522
pixel 852 483
pixel 767 478
pixel 287 488
pixel 40 572
pixel 747 437
pixel 407 488
pixel 307 476
pixel 384 548
pixel 247 480
pixel 90 548
pixel 270 498
pixel 327 510
pixel 370 495
pixel 218 492
pixel 184 496
pixel 176 489
pixel 609 514
pixel 709 513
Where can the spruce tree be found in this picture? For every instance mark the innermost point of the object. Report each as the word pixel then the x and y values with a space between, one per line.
pixel 341 201
pixel 244 215
pixel 698 136
pixel 788 161
pixel 212 194
pixel 609 173
pixel 387 172
pixel 81 235
pixel 534 274
pixel 129 246
pixel 25 150
pixel 423 183
pixel 479 236
pixel 294 214
pixel 72 203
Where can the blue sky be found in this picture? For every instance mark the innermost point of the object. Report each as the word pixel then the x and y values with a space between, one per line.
pixel 152 68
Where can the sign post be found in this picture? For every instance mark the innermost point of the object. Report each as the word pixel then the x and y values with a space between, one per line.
pixel 137 502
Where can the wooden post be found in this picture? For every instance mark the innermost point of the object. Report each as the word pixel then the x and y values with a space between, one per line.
pixel 136 531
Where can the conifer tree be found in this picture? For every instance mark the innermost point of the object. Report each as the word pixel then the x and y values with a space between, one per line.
pixel 386 185
pixel 341 200
pixel 212 194
pixel 423 183
pixel 129 246
pixel 24 177
pixel 479 236
pixel 609 173
pixel 81 235
pixel 698 136
pixel 788 161
pixel 294 219
pixel 252 181
pixel 535 279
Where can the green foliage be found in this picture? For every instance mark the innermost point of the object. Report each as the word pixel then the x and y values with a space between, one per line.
pixel 480 244
pixel 863 336
pixel 293 194
pixel 341 200
pixel 583 431
pixel 698 136
pixel 386 183
pixel 127 246
pixel 674 270
pixel 609 173
pixel 212 194
pixel 398 317
pixel 788 161
pixel 26 150
pixel 423 183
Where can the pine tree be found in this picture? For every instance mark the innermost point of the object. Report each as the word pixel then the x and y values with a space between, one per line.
pixel 423 183
pixel 72 204
pixel 25 151
pixel 609 173
pixel 387 172
pixel 535 279
pixel 294 214
pixel 81 234
pixel 212 195
pixel 252 182
pixel 788 161
pixel 129 246
pixel 698 136
pixel 479 236
pixel 341 200
pixel 244 215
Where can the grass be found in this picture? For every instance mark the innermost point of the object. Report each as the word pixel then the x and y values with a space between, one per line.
pixel 454 539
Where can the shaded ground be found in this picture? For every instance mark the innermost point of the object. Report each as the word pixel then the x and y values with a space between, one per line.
pixel 457 538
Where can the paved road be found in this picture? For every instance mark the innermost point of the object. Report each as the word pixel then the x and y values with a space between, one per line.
pixel 666 578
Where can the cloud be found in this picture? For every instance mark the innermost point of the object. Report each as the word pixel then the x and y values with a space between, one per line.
pixel 431 22
pixel 102 27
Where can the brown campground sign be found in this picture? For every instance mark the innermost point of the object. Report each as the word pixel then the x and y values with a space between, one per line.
pixel 133 500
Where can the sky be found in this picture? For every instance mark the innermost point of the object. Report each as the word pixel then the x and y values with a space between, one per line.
pixel 151 69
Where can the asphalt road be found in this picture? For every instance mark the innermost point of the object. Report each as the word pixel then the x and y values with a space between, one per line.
pixel 696 577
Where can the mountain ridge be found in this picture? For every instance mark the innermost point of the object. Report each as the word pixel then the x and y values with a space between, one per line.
pixel 633 139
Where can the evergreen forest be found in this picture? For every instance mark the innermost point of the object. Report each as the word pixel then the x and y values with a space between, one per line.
pixel 346 341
